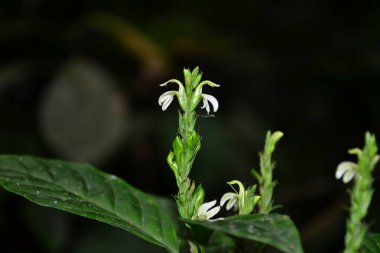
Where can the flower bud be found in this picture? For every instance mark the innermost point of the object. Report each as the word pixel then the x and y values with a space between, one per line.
pixel 171 162
pixel 256 199
pixel 195 77
pixel 178 147
pixel 187 74
pixel 193 140
pixel 179 156
pixel 198 196
pixel 276 136
pixel 272 140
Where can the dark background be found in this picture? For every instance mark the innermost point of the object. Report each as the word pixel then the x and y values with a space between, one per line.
pixel 79 81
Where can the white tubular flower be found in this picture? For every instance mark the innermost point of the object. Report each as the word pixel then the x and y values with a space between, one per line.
pixel 233 198
pixel 206 212
pixel 209 99
pixel 346 170
pixel 166 98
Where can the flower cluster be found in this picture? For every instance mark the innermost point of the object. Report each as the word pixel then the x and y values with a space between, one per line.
pixel 193 87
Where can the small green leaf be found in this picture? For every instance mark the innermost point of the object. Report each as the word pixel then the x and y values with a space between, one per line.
pixel 81 189
pixel 371 243
pixel 272 229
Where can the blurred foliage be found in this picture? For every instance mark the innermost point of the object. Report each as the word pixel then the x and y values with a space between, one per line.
pixel 307 68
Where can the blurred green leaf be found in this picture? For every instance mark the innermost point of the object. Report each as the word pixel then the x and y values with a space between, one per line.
pixel 81 189
pixel 100 238
pixel 272 229
pixel 83 116
pixel 371 243
pixel 221 243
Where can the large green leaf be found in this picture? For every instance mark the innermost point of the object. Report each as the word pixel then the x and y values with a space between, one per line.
pixel 272 229
pixel 371 243
pixel 221 243
pixel 81 189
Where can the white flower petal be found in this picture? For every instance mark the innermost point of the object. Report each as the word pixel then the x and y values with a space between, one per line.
pixel 227 196
pixel 206 105
pixel 231 203
pixel 212 212
pixel 348 176
pixel 205 206
pixel 221 218
pixel 166 103
pixel 212 100
pixel 344 167
pixel 166 95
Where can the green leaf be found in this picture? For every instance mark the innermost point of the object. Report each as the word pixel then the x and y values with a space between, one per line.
pixel 81 189
pixel 371 243
pixel 272 229
pixel 221 243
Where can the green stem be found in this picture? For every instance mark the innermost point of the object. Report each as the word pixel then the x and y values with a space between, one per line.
pixel 265 178
pixel 186 146
pixel 361 194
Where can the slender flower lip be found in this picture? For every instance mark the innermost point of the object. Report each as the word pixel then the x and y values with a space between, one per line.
pixel 346 170
pixel 212 84
pixel 173 81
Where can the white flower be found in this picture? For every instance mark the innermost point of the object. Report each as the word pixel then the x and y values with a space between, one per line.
pixel 244 200
pixel 231 198
pixel 347 170
pixel 167 97
pixel 205 211
pixel 208 98
pixel 198 94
